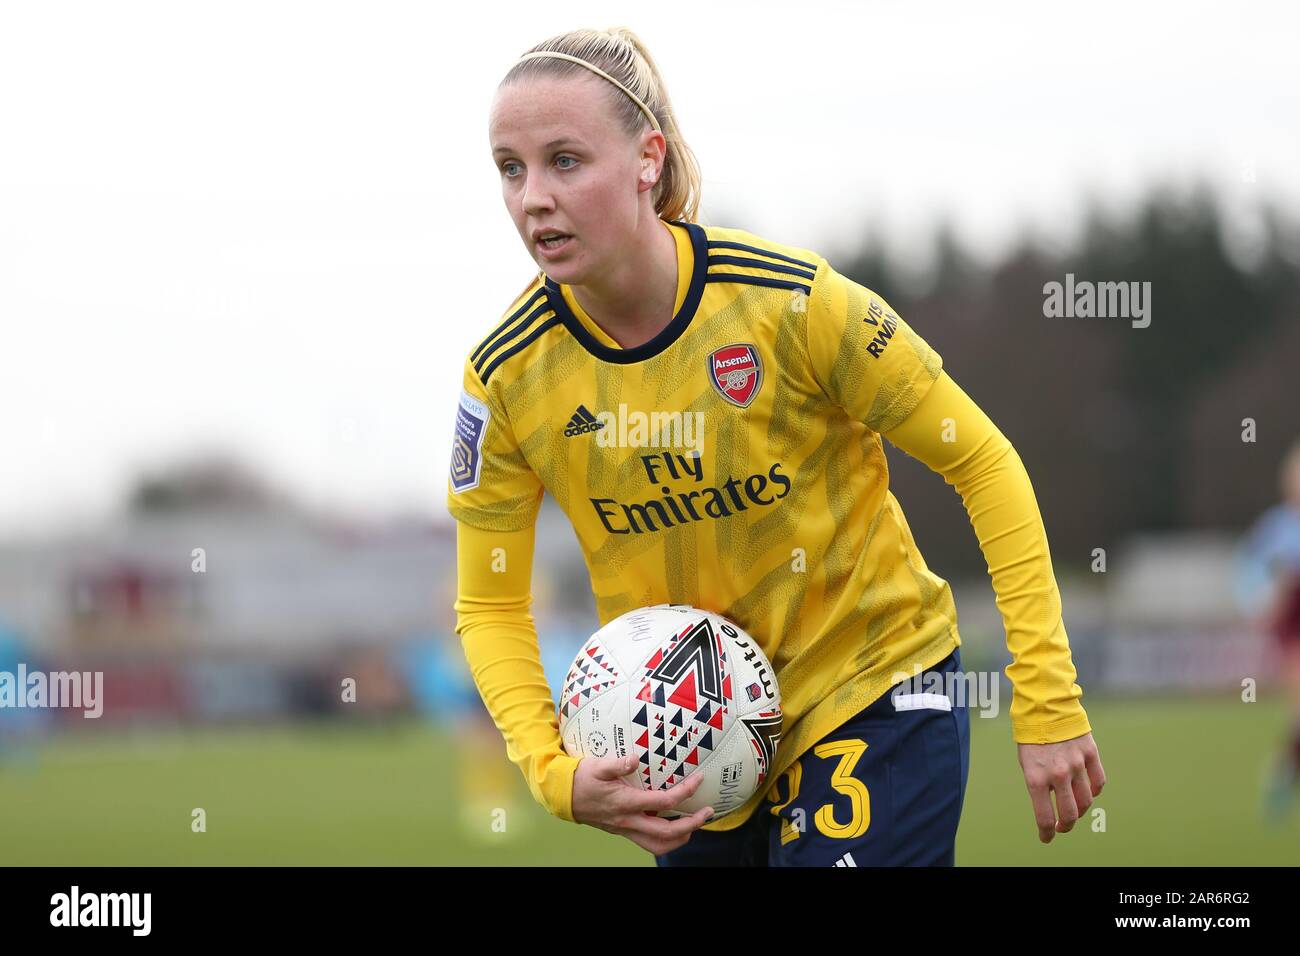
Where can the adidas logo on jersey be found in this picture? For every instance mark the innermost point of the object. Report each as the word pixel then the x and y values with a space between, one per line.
pixel 846 860
pixel 582 422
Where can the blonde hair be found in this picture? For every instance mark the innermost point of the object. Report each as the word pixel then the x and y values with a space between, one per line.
pixel 619 53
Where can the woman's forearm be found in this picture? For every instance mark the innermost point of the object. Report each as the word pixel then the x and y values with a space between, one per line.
pixel 952 436
pixel 500 642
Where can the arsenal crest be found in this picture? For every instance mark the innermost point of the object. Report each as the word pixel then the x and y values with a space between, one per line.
pixel 736 372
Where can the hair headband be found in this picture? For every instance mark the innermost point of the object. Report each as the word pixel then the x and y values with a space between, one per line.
pixel 595 69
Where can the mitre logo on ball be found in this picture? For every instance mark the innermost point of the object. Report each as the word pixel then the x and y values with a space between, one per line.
pixel 736 372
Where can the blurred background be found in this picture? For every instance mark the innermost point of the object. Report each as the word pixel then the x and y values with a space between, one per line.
pixel 243 253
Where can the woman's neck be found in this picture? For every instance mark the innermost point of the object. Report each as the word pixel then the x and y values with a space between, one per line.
pixel 635 302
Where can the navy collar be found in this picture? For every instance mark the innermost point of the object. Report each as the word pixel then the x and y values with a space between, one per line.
pixel 671 332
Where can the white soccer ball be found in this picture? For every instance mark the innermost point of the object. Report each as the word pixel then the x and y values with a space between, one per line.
pixel 687 692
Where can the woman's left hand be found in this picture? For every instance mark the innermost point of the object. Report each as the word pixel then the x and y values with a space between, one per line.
pixel 1072 769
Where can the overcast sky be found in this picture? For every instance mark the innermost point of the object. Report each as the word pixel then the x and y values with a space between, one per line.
pixel 255 226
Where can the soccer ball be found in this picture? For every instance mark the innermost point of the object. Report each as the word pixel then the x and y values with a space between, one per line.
pixel 687 692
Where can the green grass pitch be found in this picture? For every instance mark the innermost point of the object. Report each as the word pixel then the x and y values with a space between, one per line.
pixel 1184 782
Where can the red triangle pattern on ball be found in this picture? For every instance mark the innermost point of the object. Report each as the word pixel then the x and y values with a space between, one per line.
pixel 593 671
pixel 680 723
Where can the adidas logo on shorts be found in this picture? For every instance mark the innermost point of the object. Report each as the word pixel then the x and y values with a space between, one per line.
pixel 581 423
pixel 845 860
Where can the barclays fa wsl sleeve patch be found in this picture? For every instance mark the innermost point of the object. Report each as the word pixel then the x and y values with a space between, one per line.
pixel 467 446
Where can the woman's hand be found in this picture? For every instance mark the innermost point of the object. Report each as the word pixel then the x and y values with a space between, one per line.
pixel 1071 768
pixel 601 798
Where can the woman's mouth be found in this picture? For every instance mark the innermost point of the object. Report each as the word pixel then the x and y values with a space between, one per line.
pixel 553 244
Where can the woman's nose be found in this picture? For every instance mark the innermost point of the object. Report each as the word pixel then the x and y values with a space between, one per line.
pixel 537 196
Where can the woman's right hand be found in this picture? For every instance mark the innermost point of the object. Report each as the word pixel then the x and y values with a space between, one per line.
pixel 603 799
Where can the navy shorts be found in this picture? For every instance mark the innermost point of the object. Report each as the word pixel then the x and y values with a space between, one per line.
pixel 885 788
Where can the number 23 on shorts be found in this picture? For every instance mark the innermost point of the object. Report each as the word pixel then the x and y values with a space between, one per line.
pixel 846 753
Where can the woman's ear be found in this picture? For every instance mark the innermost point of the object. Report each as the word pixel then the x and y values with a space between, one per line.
pixel 653 153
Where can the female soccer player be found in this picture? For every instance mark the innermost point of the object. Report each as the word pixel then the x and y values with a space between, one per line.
pixel 776 514
pixel 1268 587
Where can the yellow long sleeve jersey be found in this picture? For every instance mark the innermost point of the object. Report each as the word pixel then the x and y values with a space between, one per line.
pixel 734 462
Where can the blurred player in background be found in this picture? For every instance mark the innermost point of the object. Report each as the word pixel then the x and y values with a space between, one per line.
pixel 21 728
pixel 1268 588
pixel 779 517
pixel 443 692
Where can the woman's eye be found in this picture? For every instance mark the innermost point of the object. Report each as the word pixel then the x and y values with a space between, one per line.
pixel 508 168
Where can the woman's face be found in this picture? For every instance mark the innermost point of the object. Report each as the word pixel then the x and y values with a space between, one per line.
pixel 566 164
